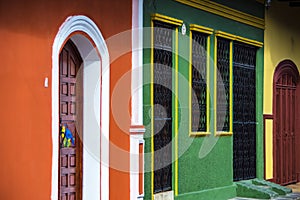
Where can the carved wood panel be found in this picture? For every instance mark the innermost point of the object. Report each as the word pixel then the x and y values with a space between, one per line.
pixel 70 148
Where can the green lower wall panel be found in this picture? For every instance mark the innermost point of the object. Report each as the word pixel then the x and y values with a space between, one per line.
pixel 206 164
pixel 222 193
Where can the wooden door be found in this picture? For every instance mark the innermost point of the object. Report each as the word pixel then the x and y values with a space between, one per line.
pixel 70 97
pixel 284 135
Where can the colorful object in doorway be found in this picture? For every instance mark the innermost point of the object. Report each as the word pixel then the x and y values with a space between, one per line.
pixel 67 136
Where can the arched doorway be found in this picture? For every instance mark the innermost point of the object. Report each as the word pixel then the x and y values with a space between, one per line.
pixel 285 133
pixel 88 40
pixel 70 119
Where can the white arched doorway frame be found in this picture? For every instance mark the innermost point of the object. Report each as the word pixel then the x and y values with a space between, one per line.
pixel 71 29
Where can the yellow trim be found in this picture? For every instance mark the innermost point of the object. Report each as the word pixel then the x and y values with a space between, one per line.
pixel 231 88
pixel 176 113
pixel 238 38
pixel 207 86
pixel 248 41
pixel 177 22
pixel 215 84
pixel 225 35
pixel 225 11
pixel 202 29
pixel 152 108
pixel 195 134
pixel 190 83
pixel 222 133
pixel 198 28
pixel 232 38
pixel 269 148
pixel 169 20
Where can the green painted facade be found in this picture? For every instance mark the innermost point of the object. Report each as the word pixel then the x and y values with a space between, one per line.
pixel 205 164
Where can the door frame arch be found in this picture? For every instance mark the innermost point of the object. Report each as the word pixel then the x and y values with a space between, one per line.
pixel 284 67
pixel 86 28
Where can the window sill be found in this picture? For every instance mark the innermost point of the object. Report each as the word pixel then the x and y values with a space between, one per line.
pixel 193 134
pixel 223 133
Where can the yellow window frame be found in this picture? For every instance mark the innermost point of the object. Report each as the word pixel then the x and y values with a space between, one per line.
pixel 232 38
pixel 177 23
pixel 208 31
pixel 222 133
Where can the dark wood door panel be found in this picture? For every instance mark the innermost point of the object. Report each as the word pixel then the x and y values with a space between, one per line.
pixel 70 162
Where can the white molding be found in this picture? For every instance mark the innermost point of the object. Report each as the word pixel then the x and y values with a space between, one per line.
pixel 137 130
pixel 137 97
pixel 71 25
pixel 137 62
pixel 135 141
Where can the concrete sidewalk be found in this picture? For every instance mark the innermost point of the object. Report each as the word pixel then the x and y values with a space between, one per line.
pixel 294 187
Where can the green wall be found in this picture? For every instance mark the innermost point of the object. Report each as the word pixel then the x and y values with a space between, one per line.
pixel 201 175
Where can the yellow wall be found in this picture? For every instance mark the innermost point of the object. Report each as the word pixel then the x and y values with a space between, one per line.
pixel 269 158
pixel 282 41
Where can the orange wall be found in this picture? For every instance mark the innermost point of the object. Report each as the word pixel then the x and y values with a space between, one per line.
pixel 27 32
pixel 119 143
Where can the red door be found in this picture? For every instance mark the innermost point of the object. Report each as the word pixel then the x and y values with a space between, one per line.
pixel 70 97
pixel 285 124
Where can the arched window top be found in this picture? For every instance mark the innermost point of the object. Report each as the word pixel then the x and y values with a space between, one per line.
pixel 286 68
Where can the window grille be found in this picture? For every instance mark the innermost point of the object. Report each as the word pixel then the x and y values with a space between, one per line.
pixel 199 85
pixel 244 111
pixel 162 106
pixel 223 85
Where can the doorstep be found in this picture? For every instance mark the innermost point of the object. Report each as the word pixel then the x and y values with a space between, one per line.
pixel 261 189
pixel 290 196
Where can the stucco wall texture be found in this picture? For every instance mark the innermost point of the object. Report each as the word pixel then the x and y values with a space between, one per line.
pixel 281 42
pixel 209 176
pixel 27 32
